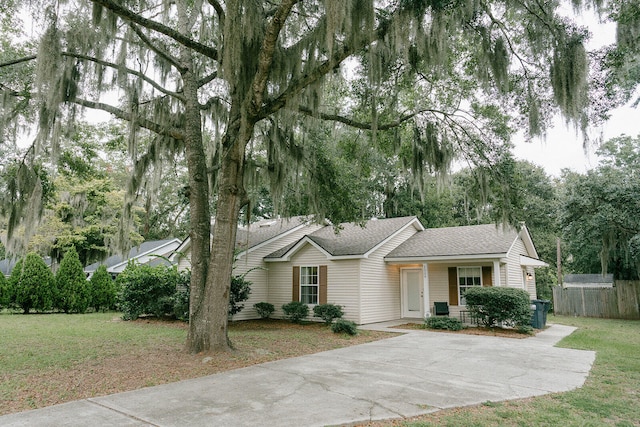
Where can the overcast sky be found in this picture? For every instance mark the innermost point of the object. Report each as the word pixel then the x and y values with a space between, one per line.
pixel 563 147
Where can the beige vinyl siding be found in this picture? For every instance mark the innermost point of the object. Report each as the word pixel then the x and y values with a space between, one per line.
pixel 514 270
pixel 184 261
pixel 439 283
pixel 280 281
pixel 259 277
pixel 503 274
pixel 342 287
pixel 342 280
pixel 531 284
pixel 380 294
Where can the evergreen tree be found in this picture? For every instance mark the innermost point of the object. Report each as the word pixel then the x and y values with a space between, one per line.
pixel 5 296
pixel 102 290
pixel 14 281
pixel 71 284
pixel 34 290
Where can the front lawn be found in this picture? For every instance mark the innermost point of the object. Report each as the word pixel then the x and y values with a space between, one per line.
pixel 610 396
pixel 47 359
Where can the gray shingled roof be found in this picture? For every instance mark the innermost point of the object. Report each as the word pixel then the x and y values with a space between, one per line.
pixel 6 265
pixel 135 251
pixel 262 231
pixel 352 239
pixel 469 240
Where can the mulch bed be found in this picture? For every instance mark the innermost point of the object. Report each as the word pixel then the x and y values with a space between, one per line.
pixel 473 330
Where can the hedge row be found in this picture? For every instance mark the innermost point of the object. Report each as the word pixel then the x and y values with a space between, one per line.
pixel 33 287
pixel 139 290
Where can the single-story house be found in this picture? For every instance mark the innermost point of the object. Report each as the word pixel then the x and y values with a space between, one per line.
pixel 386 269
pixel 587 281
pixel 152 252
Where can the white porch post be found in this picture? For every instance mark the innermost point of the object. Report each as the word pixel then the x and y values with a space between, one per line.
pixel 496 273
pixel 425 290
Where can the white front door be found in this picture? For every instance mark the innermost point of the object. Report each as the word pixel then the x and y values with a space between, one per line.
pixel 412 293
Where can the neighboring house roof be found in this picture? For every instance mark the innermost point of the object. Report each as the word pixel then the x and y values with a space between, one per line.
pixel 349 240
pixel 258 233
pixel 588 280
pixel 145 253
pixel 6 265
pixel 472 241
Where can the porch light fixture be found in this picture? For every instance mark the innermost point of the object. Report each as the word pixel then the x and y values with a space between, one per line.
pixel 529 276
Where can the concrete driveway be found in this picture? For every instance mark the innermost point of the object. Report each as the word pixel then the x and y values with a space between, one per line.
pixel 403 376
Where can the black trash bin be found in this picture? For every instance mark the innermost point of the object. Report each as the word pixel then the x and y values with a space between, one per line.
pixel 539 316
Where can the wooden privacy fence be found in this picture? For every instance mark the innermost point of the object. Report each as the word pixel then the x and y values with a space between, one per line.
pixel 620 302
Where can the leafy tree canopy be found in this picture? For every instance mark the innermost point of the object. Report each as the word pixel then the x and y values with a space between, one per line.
pixel 230 83
pixel 599 212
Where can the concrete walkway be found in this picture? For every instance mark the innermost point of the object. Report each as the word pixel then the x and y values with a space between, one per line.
pixel 403 376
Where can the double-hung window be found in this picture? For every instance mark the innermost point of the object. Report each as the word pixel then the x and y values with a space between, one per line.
pixel 467 278
pixel 309 285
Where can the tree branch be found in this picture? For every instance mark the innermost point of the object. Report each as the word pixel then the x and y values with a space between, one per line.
pixel 161 52
pixel 361 125
pixel 210 102
pixel 18 61
pixel 219 10
pixel 265 59
pixel 10 91
pixel 130 16
pixel 128 70
pixel 207 79
pixel 298 84
pixel 121 114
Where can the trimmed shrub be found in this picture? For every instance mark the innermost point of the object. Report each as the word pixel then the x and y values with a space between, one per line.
pixel 5 292
pixel 35 282
pixel 328 312
pixel 264 309
pixel 147 290
pixel 494 305
pixel 102 290
pixel 342 326
pixel 238 293
pixel 72 290
pixel 12 283
pixel 448 323
pixel 296 311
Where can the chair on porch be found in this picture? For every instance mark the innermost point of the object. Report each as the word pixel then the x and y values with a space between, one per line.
pixel 441 308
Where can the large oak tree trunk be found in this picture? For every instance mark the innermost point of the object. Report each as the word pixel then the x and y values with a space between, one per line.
pixel 200 218
pixel 231 197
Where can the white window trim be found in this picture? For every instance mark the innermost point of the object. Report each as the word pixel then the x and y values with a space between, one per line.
pixel 317 285
pixel 458 279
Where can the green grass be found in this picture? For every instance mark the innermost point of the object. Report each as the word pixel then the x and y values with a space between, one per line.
pixel 32 343
pixel 610 396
